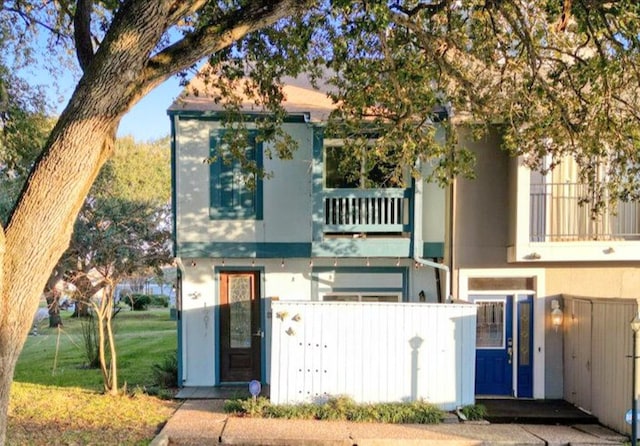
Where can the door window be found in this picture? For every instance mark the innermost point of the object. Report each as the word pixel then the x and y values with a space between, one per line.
pixel 240 311
pixel 490 324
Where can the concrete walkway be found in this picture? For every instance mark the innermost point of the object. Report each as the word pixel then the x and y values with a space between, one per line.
pixel 202 422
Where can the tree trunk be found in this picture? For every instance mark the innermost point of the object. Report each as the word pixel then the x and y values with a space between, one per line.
pixel 81 307
pixel 53 301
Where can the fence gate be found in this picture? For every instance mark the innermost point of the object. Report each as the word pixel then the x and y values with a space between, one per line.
pixel 577 354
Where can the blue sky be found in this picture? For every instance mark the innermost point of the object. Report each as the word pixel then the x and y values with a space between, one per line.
pixel 148 119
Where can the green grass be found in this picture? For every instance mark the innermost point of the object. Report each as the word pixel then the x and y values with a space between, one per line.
pixel 56 357
pixel 55 399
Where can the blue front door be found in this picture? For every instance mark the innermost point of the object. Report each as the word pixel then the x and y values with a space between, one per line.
pixel 494 345
pixel 502 354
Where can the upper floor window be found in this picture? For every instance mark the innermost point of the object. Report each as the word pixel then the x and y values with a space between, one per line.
pixel 564 208
pixel 345 170
pixel 235 192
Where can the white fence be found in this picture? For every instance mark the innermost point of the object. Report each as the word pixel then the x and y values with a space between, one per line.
pixel 373 352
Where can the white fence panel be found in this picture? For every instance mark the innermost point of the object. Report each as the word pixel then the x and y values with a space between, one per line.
pixel 373 352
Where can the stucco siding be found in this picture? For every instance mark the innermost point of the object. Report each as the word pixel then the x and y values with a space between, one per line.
pixel 286 192
pixel 481 208
pixel 594 280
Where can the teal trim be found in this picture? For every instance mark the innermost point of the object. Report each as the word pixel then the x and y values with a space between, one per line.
pixel 216 321
pixel 362 247
pixel 211 115
pixel 315 287
pixel 180 348
pixel 317 183
pixel 229 198
pixel 174 191
pixel 244 250
pixel 433 250
pixel 338 247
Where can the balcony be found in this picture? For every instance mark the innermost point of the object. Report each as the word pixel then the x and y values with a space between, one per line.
pixel 366 211
pixel 554 222
pixel 557 214
pixel 363 223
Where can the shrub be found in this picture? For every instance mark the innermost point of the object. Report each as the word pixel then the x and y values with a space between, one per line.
pixel 165 374
pixel 340 408
pixel 90 342
pixel 139 302
pixel 474 412
pixel 159 300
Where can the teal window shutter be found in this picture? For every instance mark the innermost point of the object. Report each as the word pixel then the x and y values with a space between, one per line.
pixel 231 198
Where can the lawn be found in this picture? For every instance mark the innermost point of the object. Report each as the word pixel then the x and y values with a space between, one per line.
pixel 56 399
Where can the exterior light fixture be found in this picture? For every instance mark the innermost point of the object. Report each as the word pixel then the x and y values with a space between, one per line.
pixel 282 263
pixel 193 263
pixel 556 314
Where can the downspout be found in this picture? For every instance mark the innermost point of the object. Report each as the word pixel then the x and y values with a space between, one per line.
pixel 417 226
pixel 182 341
pixel 441 267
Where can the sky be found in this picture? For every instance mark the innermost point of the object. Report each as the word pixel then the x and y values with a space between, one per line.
pixel 148 120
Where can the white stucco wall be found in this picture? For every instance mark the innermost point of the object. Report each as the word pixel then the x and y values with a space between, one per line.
pixel 287 194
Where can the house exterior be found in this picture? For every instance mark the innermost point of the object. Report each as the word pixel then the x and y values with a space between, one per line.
pixel 513 242
pixel 521 245
pixel 302 234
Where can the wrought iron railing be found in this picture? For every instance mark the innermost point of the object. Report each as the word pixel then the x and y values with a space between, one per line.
pixel 562 212
pixel 366 210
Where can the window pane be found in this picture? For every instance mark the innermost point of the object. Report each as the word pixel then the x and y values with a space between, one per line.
pixel 372 298
pixel 340 172
pixel 240 311
pixel 341 298
pixel 490 326
pixel 524 337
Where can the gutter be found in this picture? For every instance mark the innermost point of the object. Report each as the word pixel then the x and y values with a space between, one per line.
pixel 442 267
pixel 417 226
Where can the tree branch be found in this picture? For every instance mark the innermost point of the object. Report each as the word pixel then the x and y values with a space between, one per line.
pixel 430 7
pixel 216 36
pixel 82 33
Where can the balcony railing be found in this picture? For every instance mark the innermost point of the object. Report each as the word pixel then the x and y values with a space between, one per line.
pixel 355 211
pixel 557 214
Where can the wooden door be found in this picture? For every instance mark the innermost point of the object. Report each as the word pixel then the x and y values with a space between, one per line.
pixel 240 328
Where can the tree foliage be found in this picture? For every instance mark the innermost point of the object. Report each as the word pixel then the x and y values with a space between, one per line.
pixel 560 79
pixel 123 228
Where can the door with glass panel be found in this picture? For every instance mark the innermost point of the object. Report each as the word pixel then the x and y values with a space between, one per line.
pixel 504 345
pixel 240 332
pixel 494 345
